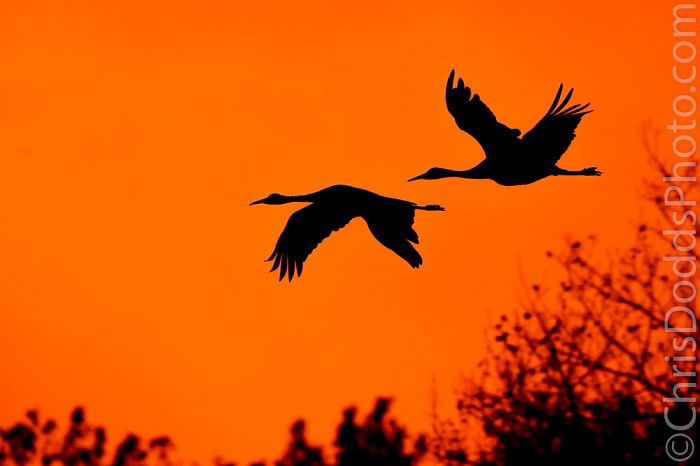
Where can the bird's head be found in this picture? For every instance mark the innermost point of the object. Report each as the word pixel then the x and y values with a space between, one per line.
pixel 434 173
pixel 272 199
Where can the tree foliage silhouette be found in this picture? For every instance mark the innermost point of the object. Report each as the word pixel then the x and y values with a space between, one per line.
pixel 379 441
pixel 37 442
pixel 578 376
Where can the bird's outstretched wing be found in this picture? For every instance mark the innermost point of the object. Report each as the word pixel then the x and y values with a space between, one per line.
pixel 553 134
pixel 305 229
pixel 393 228
pixel 473 116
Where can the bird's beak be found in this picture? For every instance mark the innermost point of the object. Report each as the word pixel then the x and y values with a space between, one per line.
pixel 260 201
pixel 419 177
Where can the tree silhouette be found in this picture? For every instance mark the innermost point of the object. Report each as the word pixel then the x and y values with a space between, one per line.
pixel 35 442
pixel 379 441
pixel 300 453
pixel 579 376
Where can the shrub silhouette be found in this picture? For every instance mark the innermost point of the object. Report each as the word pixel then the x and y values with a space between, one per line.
pixel 300 453
pixel 35 442
pixel 379 441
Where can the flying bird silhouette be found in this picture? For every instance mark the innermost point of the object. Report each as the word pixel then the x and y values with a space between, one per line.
pixel 389 220
pixel 512 160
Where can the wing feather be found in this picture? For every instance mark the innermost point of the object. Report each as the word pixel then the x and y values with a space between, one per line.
pixel 475 118
pixel 553 134
pixel 393 228
pixel 305 230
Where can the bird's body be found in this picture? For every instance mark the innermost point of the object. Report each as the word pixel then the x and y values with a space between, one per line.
pixel 390 221
pixel 518 172
pixel 511 159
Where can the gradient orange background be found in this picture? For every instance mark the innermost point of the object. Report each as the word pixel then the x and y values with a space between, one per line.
pixel 133 136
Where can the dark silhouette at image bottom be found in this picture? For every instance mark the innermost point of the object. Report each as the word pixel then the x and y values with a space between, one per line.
pixel 390 221
pixel 512 160
pixel 378 441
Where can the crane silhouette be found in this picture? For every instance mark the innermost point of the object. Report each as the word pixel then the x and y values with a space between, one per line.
pixel 512 160
pixel 389 220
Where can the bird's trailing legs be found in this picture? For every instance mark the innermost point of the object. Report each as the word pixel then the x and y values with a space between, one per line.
pixel 590 171
pixel 430 207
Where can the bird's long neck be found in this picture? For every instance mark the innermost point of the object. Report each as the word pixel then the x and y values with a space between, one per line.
pixel 299 198
pixel 477 172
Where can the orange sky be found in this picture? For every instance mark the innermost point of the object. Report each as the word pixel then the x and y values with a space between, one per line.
pixel 133 137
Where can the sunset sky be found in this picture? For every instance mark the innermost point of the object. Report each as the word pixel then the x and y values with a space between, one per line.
pixel 133 135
